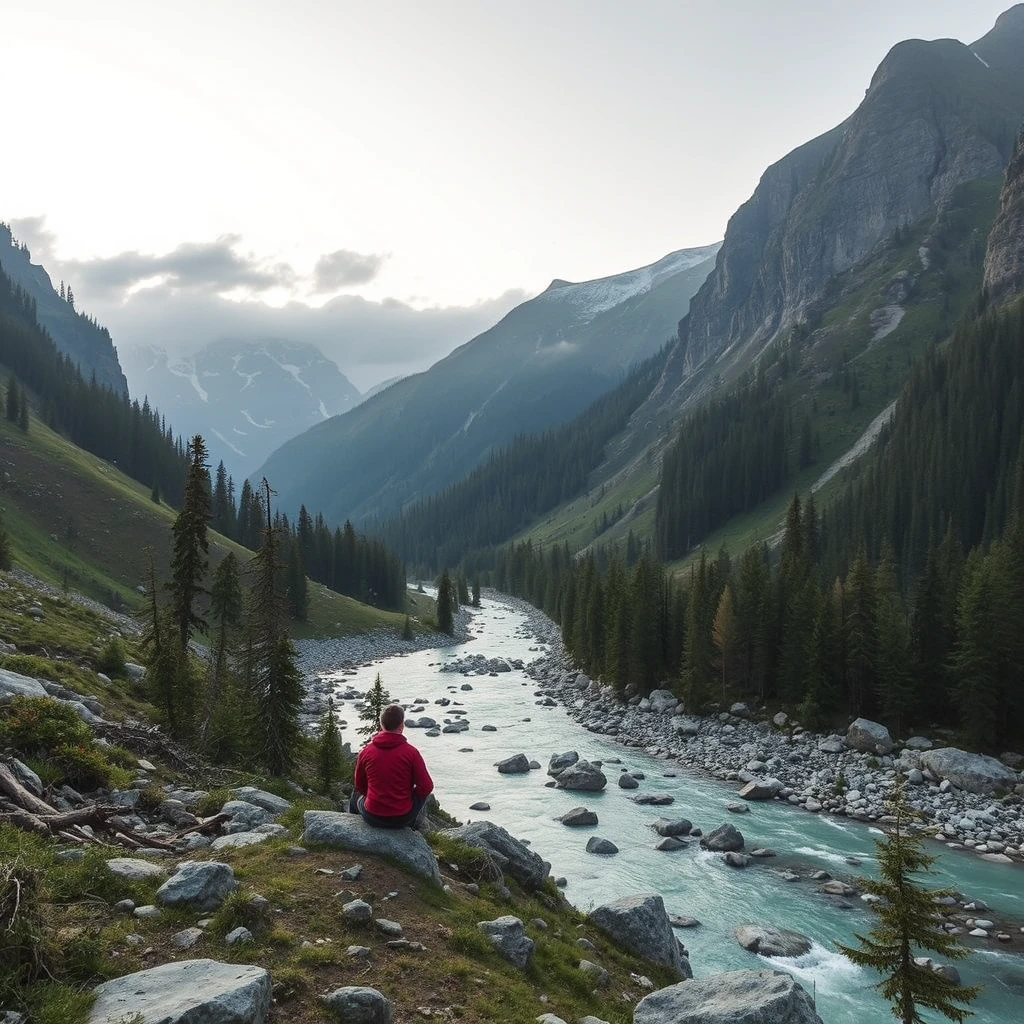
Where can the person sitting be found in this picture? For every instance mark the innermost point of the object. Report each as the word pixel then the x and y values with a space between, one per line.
pixel 391 780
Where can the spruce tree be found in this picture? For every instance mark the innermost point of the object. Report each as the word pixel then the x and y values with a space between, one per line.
pixel 23 411
pixel 376 700
pixel 191 547
pixel 225 613
pixel 329 757
pixel 445 604
pixel 906 924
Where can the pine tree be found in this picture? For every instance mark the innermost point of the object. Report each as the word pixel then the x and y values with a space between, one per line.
pixel 191 547
pixel 376 700
pixel 329 756
pixel 723 632
pixel 907 923
pixel 476 591
pixel 23 411
pixel 13 400
pixel 445 604
pixel 225 612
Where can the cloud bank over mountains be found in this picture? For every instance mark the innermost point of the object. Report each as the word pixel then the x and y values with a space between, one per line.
pixel 200 292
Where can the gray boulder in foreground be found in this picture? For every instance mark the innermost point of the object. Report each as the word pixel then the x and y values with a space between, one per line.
pixel 510 939
pixel 737 997
pixel 135 869
pixel 186 992
pixel 869 737
pixel 974 773
pixel 582 776
pixel 350 832
pixel 261 798
pixel 511 856
pixel 201 884
pixel 640 924
pixel 769 941
pixel 358 1004
pixel 14 684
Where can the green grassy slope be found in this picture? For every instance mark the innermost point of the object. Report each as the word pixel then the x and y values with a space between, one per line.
pixel 76 520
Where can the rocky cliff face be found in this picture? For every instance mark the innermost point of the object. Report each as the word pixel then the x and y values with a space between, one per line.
pixel 1004 260
pixel 935 115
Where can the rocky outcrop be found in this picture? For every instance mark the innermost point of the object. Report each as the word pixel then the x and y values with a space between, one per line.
pixel 350 832
pixel 510 855
pixel 186 992
pixel 769 941
pixel 738 997
pixel 975 773
pixel 1004 258
pixel 640 925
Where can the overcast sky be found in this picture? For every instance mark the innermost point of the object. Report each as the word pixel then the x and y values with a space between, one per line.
pixel 412 168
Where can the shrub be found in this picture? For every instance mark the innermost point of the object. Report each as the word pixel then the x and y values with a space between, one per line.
pixel 111 659
pixel 36 726
pixel 85 766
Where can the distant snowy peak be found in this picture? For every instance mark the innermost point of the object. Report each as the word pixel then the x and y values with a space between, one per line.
pixel 591 298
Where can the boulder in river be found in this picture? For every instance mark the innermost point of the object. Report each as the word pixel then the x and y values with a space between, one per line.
pixel 582 776
pixel 518 764
pixel 869 737
pixel 757 790
pixel 674 827
pixel 770 941
pixel 723 839
pixel 626 781
pixel 974 773
pixel 510 855
pixel 559 762
pixel 640 924
pixel 605 847
pixel 578 816
pixel 737 997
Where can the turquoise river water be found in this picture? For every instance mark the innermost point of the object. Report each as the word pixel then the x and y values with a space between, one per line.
pixel 693 882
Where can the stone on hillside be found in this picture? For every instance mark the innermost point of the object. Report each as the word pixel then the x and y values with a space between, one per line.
pixel 974 773
pixel 578 816
pixel 626 781
pixel 770 941
pixel 723 839
pixel 135 869
pixel 133 671
pixel 640 925
pixel 186 938
pixel 525 866
pixel 261 798
pixel 869 737
pixel 918 743
pixel 26 777
pixel 662 701
pixel 357 910
pixel 350 832
pixel 186 992
pixel 674 827
pixel 14 684
pixel 358 1004
pixel 245 816
pixel 582 776
pixel 757 790
pixel 518 764
pixel 202 884
pixel 238 934
pixel 737 997
pixel 510 939
pixel 598 975
pixel 236 839
pixel 605 847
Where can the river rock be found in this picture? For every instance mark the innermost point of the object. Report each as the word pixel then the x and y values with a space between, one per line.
pixel 525 866
pixel 186 992
pixel 518 764
pixel 674 827
pixel 559 762
pixel 350 832
pixel 202 884
pixel 605 847
pixel 670 844
pixel 626 781
pixel 653 799
pixel 869 737
pixel 974 773
pixel 358 1004
pixel 737 860
pixel 757 790
pixel 662 701
pixel 510 939
pixel 737 997
pixel 723 839
pixel 578 816
pixel 640 924
pixel 770 941
pixel 582 776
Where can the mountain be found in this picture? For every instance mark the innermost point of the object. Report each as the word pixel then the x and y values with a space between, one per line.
pixel 935 115
pixel 539 366
pixel 1004 260
pixel 245 398
pixel 74 333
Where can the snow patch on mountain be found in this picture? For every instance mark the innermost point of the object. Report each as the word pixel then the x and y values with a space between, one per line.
pixel 186 369
pixel 224 440
pixel 262 426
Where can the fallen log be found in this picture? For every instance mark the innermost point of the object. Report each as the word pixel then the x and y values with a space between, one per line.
pixel 13 789
pixel 58 821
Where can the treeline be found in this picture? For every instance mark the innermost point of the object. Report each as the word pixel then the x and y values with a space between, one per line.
pixel 132 436
pixel 342 560
pixel 530 476
pixel 729 455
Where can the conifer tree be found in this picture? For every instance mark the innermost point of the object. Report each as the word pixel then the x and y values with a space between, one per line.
pixel 13 401
pixel 445 604
pixel 329 757
pixel 6 557
pixel 723 632
pixel 23 411
pixel 476 591
pixel 906 924
pixel 191 547
pixel 376 700
pixel 225 613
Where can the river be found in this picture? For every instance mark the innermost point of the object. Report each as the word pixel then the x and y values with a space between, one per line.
pixel 693 882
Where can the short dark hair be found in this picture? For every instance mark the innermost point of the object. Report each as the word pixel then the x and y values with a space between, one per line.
pixel 392 717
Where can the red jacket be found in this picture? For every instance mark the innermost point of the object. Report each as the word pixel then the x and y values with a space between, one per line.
pixel 388 770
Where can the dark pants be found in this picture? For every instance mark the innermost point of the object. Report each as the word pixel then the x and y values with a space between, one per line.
pixel 355 806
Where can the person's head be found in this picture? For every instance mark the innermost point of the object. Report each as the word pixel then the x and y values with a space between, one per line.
pixel 392 718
